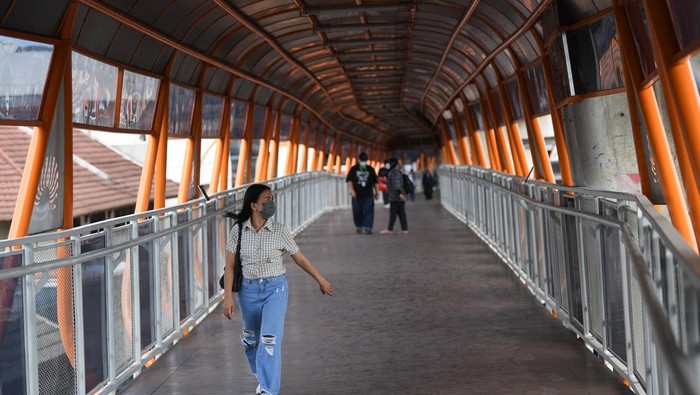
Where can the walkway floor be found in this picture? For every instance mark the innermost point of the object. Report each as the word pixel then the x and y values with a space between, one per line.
pixel 431 312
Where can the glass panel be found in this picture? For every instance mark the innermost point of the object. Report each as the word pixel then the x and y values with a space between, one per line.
pixel 23 69
pixel 497 106
pixel 139 96
pixel 640 31
pixel 259 121
pixel 12 351
pixel 560 73
pixel 238 112
pixel 212 111
pixel 181 107
pixel 596 63
pixel 685 15
pixel 94 91
pixel 285 124
pixel 476 112
pixel 513 96
pixel 536 89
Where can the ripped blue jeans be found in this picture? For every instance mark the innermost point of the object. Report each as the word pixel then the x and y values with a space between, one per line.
pixel 263 305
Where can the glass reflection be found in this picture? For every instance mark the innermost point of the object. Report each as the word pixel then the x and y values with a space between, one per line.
pixel 180 108
pixel 238 112
pixel 94 91
pixel 285 124
pixel 212 110
pixel 534 78
pixel 139 96
pixel 513 96
pixel 23 69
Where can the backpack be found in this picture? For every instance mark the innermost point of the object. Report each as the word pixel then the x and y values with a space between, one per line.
pixel 408 186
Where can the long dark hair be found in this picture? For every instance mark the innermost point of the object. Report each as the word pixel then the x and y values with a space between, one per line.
pixel 251 196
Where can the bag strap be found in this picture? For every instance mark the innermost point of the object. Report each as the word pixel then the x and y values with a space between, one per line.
pixel 238 246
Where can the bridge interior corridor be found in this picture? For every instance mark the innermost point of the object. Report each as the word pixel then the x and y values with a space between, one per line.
pixel 431 312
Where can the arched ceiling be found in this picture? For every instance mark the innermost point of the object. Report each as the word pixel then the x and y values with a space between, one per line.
pixel 377 70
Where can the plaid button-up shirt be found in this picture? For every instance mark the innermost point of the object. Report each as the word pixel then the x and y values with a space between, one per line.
pixel 262 251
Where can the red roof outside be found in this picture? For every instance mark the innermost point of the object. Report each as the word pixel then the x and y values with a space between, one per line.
pixel 102 178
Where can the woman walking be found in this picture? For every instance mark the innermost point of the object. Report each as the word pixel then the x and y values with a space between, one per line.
pixel 264 291
pixel 397 198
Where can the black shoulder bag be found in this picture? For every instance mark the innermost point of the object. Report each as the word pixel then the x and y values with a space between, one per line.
pixel 237 267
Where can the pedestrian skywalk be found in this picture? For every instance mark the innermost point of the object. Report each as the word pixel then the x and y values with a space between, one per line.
pixel 430 312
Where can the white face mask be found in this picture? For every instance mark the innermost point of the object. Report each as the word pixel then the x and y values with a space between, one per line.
pixel 363 163
pixel 387 166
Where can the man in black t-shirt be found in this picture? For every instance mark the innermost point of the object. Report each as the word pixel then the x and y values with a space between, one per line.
pixel 362 183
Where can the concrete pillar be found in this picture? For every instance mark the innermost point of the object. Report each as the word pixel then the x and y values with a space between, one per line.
pixel 600 144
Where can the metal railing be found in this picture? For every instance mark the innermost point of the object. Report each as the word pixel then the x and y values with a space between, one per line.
pixel 607 264
pixel 90 307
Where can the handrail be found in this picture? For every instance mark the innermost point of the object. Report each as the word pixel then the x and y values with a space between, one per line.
pixel 505 211
pixel 106 270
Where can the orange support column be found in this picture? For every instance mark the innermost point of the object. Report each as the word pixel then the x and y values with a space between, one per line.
pixel 244 152
pixel 477 148
pixel 330 166
pixel 503 157
pixel 191 153
pixel 264 152
pixel 562 152
pixel 321 154
pixel 274 147
pixel 491 143
pixel 682 101
pixel 538 151
pixel 451 155
pixel 221 149
pixel 516 142
pixel 673 193
pixel 303 156
pixel 161 123
pixel 293 139
pixel 464 157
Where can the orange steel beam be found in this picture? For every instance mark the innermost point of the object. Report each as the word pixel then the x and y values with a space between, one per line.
pixel 216 173
pixel 321 156
pixel 673 193
pixel 557 123
pixel 331 150
pixel 313 152
pixel 503 157
pixel 538 150
pixel 449 142
pixel 339 157
pixel 678 84
pixel 191 152
pixel 491 142
pixel 274 147
pixel 304 154
pixel 160 123
pixel 244 151
pixel 293 139
pixel 461 140
pixel 477 148
pixel 149 164
pixel 267 137
pixel 264 151
pixel 516 142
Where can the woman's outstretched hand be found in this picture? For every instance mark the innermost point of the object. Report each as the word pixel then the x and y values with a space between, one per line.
pixel 326 287
pixel 228 308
